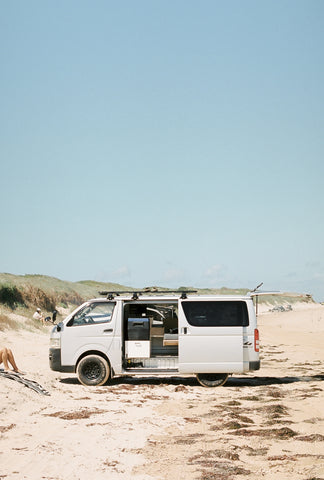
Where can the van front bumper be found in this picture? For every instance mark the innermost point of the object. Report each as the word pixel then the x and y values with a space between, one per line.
pixel 56 363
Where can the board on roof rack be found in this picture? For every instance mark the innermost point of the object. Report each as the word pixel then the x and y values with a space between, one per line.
pixel 136 293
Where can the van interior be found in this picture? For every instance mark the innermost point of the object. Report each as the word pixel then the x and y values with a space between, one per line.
pixel 151 336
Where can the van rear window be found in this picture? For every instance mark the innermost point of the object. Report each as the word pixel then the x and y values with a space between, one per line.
pixel 216 314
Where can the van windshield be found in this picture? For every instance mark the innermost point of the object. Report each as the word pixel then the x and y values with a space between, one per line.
pixel 216 314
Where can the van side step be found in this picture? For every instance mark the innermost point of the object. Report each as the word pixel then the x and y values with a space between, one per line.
pixel 162 363
pixel 150 371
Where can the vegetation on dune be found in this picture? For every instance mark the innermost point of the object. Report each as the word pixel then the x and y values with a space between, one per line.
pixel 30 296
pixel 26 292
pixel 11 296
pixel 22 294
pixel 7 323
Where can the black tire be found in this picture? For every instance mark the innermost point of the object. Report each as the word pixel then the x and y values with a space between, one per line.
pixel 212 379
pixel 93 370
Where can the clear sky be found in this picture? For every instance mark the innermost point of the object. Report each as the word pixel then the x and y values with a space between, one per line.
pixel 171 143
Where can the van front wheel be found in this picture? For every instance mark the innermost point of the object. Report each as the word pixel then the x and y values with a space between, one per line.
pixel 93 370
pixel 212 379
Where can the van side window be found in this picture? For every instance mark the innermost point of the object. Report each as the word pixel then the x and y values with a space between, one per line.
pixel 93 314
pixel 216 314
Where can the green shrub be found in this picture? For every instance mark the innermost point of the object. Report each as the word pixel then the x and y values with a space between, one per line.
pixel 11 296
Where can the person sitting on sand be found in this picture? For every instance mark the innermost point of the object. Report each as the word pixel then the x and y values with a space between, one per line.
pixel 38 316
pixel 6 356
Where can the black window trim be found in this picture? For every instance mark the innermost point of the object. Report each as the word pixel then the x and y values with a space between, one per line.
pixel 245 314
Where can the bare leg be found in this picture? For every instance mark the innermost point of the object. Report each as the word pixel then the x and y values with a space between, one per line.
pixel 12 361
pixel 6 356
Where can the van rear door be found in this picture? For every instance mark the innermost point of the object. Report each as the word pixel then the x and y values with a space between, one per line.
pixel 211 335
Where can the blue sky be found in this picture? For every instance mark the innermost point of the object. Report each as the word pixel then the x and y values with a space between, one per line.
pixel 163 143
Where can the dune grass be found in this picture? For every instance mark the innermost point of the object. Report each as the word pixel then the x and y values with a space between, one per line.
pixel 7 323
pixel 28 292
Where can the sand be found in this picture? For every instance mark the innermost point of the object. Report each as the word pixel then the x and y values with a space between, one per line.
pixel 266 424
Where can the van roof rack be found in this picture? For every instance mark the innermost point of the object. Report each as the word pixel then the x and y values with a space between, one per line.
pixel 137 293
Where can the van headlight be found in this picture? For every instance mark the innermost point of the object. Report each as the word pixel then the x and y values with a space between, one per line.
pixel 55 342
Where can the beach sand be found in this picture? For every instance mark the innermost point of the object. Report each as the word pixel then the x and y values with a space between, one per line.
pixel 266 424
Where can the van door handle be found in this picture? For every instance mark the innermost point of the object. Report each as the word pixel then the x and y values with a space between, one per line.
pixel 185 330
pixel 108 330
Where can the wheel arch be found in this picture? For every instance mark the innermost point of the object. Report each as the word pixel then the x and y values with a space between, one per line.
pixel 94 352
pixel 212 379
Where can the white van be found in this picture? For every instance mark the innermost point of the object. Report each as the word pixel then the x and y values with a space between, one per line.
pixel 135 333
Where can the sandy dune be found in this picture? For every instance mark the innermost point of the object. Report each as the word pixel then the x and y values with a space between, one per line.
pixel 269 424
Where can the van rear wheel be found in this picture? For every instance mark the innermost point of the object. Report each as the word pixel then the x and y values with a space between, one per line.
pixel 212 379
pixel 93 370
